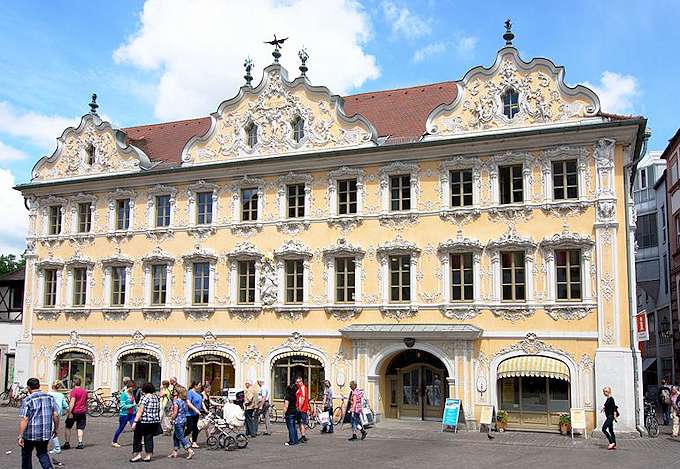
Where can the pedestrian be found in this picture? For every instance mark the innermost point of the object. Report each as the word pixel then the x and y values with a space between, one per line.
pixel 166 406
pixel 327 406
pixel 675 394
pixel 178 417
pixel 291 415
pixel 195 396
pixel 147 423
pixel 249 405
pixel 62 405
pixel 77 414
pixel 611 413
pixel 664 397
pixel 126 414
pixel 264 406
pixel 39 423
pixel 356 407
pixel 302 395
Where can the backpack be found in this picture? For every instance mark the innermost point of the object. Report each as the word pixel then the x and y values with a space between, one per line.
pixel 665 396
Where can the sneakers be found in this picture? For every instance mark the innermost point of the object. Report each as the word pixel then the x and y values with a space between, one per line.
pixel 115 445
pixel 363 434
pixel 80 445
pixel 66 445
pixel 55 451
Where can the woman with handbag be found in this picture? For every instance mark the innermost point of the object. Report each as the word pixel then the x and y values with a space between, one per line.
pixel 327 406
pixel 147 423
pixel 611 413
pixel 126 415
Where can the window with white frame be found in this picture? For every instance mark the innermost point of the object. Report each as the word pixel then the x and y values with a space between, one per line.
pixel 298 127
pixel 568 274
pixel 244 276
pixel 345 191
pixel 159 284
pixel 161 207
pixel 400 278
pixel 246 281
pixel 50 288
pixel 398 188
pixel 118 285
pixel 345 279
pixel 295 200
pixel 79 286
pixel 400 193
pixel 122 214
pixel 347 196
pixel 204 208
pixel 461 187
pixel 567 259
pixel 201 283
pixel 202 199
pixel 294 197
pixel 462 278
pixel 55 219
pixel 162 210
pixel 511 184
pixel 157 266
pixel 510 100
pixel 249 204
pixel 460 258
pixel 84 217
pixel 512 261
pixel 292 263
pixel 251 135
pixel 564 171
pixel 513 276
pixel 343 272
pixel 565 179
pixel 398 261
pixel 294 287
pixel 459 183
pixel 117 280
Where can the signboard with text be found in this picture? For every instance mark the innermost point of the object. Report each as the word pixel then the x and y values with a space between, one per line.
pixel 642 326
pixel 486 414
pixel 578 420
pixel 451 413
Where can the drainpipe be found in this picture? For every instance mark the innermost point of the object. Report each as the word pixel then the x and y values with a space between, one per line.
pixel 632 297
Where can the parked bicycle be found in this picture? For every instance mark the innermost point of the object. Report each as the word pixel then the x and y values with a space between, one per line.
pixel 339 411
pixel 13 396
pixel 273 415
pixel 651 423
pixel 98 405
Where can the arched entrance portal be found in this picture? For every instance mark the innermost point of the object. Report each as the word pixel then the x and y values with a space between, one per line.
pixel 416 386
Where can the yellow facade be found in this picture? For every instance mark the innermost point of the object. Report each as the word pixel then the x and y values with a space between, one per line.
pixel 360 339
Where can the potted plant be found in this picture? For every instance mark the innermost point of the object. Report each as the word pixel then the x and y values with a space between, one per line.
pixel 501 420
pixel 565 424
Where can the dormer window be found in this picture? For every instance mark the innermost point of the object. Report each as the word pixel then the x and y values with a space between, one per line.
pixel 89 154
pixel 298 129
pixel 510 103
pixel 251 134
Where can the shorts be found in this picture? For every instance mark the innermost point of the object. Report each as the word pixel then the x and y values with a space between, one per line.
pixel 303 418
pixel 79 419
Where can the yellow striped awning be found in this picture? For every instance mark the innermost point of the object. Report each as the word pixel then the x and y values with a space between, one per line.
pixel 141 351
pixel 533 365
pixel 297 354
pixel 75 350
pixel 215 352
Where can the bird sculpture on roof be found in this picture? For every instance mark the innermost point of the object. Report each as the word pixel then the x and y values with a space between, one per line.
pixel 277 43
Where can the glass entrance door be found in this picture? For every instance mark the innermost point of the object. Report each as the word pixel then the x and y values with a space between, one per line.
pixel 433 386
pixel 421 392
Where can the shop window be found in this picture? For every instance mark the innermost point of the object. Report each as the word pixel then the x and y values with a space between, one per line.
pixel 400 279
pixel 84 217
pixel 204 208
pixel 142 368
pixel 513 276
pixel 286 370
pixel 400 193
pixel 461 188
pixel 344 279
pixel 79 286
pixel 214 371
pixel 159 284
pixel 510 103
pixel 201 292
pixel 122 214
pixel 162 211
pixel 54 221
pixel 50 296
pixel 249 202
pixel 75 365
pixel 461 277
pixel 568 265
pixel 246 282
pixel 294 281
pixel 296 200
pixel 565 179
pixel 511 184
pixel 347 196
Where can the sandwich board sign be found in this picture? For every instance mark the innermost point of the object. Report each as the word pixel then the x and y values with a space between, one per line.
pixel 578 421
pixel 452 409
pixel 486 414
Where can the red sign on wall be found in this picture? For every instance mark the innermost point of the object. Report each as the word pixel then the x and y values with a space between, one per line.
pixel 642 329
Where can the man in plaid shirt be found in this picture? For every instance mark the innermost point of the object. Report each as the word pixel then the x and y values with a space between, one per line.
pixel 39 423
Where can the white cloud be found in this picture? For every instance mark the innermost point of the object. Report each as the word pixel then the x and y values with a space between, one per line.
pixel 199 47
pixel 42 130
pixel 404 22
pixel 463 46
pixel 616 92
pixel 13 234
pixel 8 153
pixel 432 49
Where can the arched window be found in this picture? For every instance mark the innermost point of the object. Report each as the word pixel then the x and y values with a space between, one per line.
pixel 289 367
pixel 142 368
pixel 251 134
pixel 75 364
pixel 298 129
pixel 214 369
pixel 89 154
pixel 510 103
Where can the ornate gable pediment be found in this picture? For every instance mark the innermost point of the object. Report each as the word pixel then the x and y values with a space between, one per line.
pixel 272 106
pixel 93 139
pixel 543 98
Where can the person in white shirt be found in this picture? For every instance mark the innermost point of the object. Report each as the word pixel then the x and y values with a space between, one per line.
pixel 264 406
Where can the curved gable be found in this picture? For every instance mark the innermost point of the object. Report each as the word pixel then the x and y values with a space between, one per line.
pixel 544 98
pixel 272 106
pixel 112 154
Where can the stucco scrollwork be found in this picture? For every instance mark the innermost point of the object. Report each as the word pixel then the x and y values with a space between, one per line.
pixel 268 282
pixel 569 312
pixel 532 345
pixel 399 312
pixel 293 248
pixel 295 342
pixel 343 248
pixel 343 313
pixel 398 246
pixel 460 313
pixel 511 239
pixel 513 313
pixel 459 244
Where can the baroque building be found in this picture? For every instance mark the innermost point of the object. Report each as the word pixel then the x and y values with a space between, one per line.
pixel 468 239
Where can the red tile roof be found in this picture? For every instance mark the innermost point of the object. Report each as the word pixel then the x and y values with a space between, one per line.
pixel 399 114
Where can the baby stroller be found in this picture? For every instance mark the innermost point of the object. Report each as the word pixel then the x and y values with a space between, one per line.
pixel 225 432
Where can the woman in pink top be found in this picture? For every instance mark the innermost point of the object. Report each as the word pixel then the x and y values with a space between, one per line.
pixel 356 406
pixel 77 414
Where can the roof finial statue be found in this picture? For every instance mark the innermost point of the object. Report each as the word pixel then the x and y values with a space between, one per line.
pixel 93 104
pixel 277 43
pixel 304 56
pixel 508 36
pixel 248 64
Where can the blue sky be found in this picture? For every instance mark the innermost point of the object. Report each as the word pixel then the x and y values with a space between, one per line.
pixel 162 60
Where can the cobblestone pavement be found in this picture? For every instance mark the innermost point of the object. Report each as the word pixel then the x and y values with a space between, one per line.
pixel 390 445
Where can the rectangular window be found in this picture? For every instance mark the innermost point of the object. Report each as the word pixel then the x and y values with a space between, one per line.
pixel 159 284
pixel 511 184
pixel 204 208
pixel 344 279
pixel 400 193
pixel 50 297
pixel 246 282
pixel 565 179
pixel 249 200
pixel 118 286
pixel 55 220
pixel 400 279
pixel 674 172
pixel 84 217
pixel 461 277
pixel 294 281
pixel 646 232
pixel 568 270
pixel 296 200
pixel 122 214
pixel 664 270
pixel 79 286
pixel 513 280
pixel 201 283
pixel 347 196
pixel 663 224
pixel 461 188
pixel 162 211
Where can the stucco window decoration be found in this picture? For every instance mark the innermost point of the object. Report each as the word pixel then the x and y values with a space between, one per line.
pixel 290 251
pixel 512 241
pixel 239 225
pixel 342 249
pixel 565 154
pixel 350 220
pixel 293 225
pixel 510 158
pixel 75 204
pixel 72 264
pixel 462 310
pixel 152 198
pixel 127 210
pixel 46 204
pixel 52 270
pixel 398 168
pixel 245 252
pixel 157 259
pixel 117 261
pixel 463 212
pixel 203 311
pixel 398 247
pixel 193 192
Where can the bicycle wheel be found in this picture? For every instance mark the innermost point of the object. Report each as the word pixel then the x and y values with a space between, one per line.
pixel 241 440
pixel 109 408
pixel 652 427
pixel 94 409
pixel 337 415
pixel 228 443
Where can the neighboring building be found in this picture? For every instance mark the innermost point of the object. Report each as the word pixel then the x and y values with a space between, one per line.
pixel 11 315
pixel 672 156
pixel 652 269
pixel 471 239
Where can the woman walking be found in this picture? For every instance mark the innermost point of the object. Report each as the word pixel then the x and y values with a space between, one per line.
pixel 126 415
pixel 356 407
pixel 611 413
pixel 195 397
pixel 290 404
pixel 328 406
pixel 62 405
pixel 166 406
pixel 178 418
pixel 147 423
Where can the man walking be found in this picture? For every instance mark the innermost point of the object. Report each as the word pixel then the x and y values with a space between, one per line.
pixel 264 406
pixel 39 423
pixel 356 406
pixel 302 395
pixel 664 395
pixel 77 414
pixel 250 404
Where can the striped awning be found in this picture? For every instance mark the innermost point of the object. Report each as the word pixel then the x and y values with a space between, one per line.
pixel 215 352
pixel 75 350
pixel 143 351
pixel 533 365
pixel 298 354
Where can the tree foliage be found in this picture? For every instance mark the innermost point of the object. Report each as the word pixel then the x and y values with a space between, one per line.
pixel 10 263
